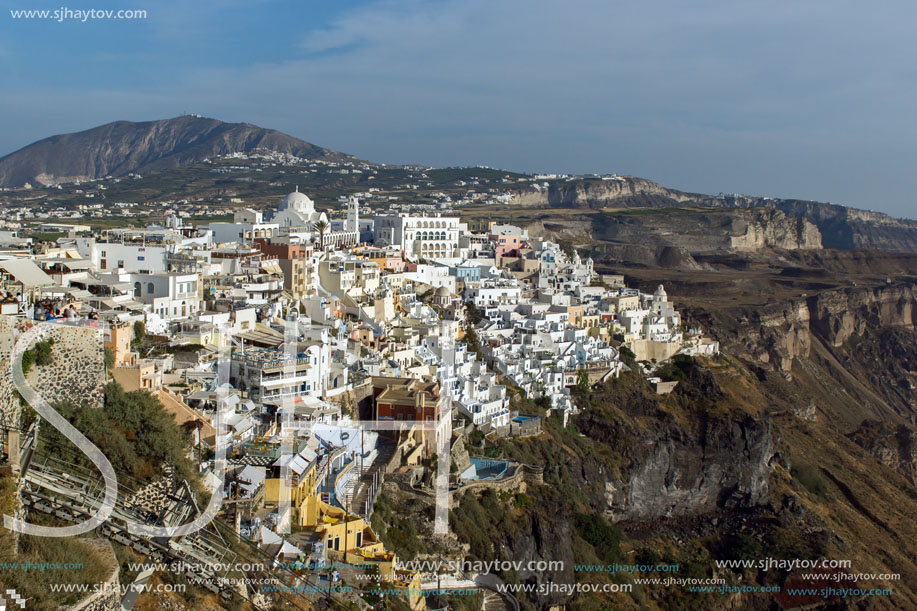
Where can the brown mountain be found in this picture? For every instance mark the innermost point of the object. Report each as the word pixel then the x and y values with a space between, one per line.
pixel 122 147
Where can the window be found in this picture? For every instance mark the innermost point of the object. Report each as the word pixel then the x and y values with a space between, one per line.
pixel 149 288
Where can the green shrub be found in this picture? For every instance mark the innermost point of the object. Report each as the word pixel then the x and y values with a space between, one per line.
pixel 600 534
pixel 132 429
pixel 139 330
pixel 741 547
pixel 810 479
pixel 28 359
pixel 43 352
pixel 109 357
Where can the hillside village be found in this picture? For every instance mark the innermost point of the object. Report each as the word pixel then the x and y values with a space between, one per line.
pixel 360 346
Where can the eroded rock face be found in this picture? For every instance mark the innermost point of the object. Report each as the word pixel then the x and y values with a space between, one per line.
pixel 838 315
pixel 705 230
pixel 767 228
pixel 821 224
pixel 725 465
pixel 543 539
pixel 673 469
pixel 773 336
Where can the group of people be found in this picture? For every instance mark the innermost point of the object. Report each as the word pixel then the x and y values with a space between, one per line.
pixel 56 310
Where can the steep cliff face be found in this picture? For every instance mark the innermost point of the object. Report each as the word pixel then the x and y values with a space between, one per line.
pixel 725 465
pixel 838 315
pixel 849 228
pixel 894 447
pixel 699 230
pixel 824 225
pixel 623 191
pixel 774 335
pixel 673 468
pixel 765 228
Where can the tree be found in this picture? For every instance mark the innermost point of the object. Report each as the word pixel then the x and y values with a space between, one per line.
pixel 321 227
pixel 472 340
pixel 139 330
pixel 582 382
pixel 109 356
pixel 472 313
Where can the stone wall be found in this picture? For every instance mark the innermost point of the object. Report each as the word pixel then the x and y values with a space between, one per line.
pixel 525 428
pixel 9 405
pixel 647 350
pixel 77 370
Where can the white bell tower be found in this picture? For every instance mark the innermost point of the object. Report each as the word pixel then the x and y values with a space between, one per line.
pixel 353 215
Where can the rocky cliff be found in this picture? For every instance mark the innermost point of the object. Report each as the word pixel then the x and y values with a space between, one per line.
pixel 725 465
pixel 700 230
pixel 828 225
pixel 850 228
pixel 122 147
pixel 627 191
pixel 776 334
pixel 673 468
pixel 773 229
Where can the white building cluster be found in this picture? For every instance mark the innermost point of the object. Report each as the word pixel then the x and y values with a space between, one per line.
pixel 319 306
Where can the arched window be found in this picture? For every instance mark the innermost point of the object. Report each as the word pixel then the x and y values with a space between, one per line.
pixel 149 288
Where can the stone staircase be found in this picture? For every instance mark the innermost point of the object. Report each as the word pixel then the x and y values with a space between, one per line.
pixel 359 494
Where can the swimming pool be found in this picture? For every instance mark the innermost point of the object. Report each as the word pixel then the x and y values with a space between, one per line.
pixel 484 468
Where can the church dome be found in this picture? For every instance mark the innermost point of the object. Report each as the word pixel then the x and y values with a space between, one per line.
pixel 297 201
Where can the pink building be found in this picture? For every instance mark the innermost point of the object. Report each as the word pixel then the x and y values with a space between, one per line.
pixel 508 245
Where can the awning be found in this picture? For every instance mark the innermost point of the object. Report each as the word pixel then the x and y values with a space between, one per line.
pixel 26 272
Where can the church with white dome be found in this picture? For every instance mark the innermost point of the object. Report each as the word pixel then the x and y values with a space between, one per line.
pixel 296 216
pixel 297 210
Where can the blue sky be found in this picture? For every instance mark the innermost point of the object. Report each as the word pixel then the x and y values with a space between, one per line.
pixel 809 99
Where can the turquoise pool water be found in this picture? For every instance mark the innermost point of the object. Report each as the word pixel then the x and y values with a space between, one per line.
pixel 483 468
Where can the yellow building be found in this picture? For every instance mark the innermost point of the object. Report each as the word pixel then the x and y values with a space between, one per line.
pixel 118 340
pixel 301 485
pixel 346 537
pixel 625 302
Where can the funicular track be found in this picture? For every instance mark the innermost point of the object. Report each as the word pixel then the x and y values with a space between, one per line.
pixel 56 487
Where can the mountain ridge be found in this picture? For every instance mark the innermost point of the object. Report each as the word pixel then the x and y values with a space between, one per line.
pixel 120 148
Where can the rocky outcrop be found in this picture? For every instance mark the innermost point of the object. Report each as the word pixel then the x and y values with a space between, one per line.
pixel 773 229
pixel 622 190
pixel 122 147
pixel 850 228
pixel 672 468
pixel 822 224
pixel 775 335
pixel 724 465
pixel 703 230
pixel 542 538
pixel 838 315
